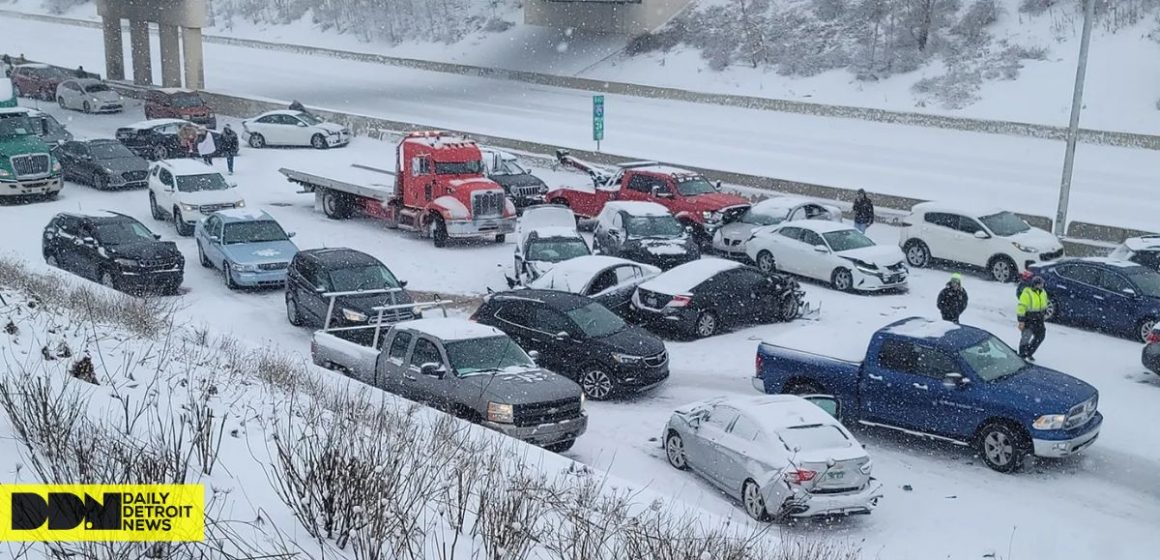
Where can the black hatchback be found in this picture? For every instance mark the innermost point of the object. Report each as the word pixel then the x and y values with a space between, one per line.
pixel 340 287
pixel 115 250
pixel 103 163
pixel 578 337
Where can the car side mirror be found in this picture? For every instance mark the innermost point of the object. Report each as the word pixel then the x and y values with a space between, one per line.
pixel 157 236
pixel 534 355
pixel 301 124
pixel 233 184
pixel 821 249
pixel 980 234
pixel 402 283
pixel 89 241
pixel 717 186
pixel 563 335
pixel 658 193
pixel 827 403
pixel 214 239
pixel 290 234
pixel 613 232
pixel 953 380
pixel 432 369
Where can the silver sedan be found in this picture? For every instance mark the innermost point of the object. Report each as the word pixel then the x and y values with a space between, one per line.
pixel 88 95
pixel 780 455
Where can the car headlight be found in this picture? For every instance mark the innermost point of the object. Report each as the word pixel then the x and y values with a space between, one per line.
pixel 240 204
pixel 711 216
pixel 130 263
pixel 583 401
pixel 190 207
pixel 244 267
pixel 55 165
pixel 5 173
pixel 353 316
pixel 626 358
pixel 1024 248
pixel 865 266
pixel 95 100
pixel 500 413
pixel 1049 422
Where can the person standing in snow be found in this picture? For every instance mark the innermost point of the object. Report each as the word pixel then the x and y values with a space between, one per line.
pixel 206 148
pixel 1032 311
pixel 952 300
pixel 863 211
pixel 80 72
pixel 297 106
pixel 229 147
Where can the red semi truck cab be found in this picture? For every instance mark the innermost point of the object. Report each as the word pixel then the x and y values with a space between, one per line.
pixel 691 198
pixel 441 190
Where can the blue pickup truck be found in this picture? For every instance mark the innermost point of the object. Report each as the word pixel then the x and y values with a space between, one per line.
pixel 944 381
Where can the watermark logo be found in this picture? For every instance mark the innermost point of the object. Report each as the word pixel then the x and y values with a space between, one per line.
pixel 102 512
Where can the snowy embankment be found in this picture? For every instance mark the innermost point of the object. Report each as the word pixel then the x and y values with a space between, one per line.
pixel 298 462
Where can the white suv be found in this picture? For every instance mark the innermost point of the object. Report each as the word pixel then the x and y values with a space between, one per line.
pixel 993 239
pixel 186 190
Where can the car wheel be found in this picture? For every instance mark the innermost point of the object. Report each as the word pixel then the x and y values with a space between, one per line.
pixel 107 280
pixel 318 141
pixel 154 208
pixel 335 205
pixel 803 388
pixel 675 451
pixel 1002 269
pixel 51 260
pixel 917 253
pixel 183 229
pixel 561 447
pixel 257 141
pixel 1002 448
pixel 228 277
pixel 596 383
pixel 706 325
pixel 88 108
pixel 60 101
pixel 753 501
pixel 1049 314
pixel 100 182
pixel 438 232
pixel 202 258
pixel 160 152
pixel 842 280
pixel 787 308
pixel 766 263
pixel 1145 328
pixel 292 313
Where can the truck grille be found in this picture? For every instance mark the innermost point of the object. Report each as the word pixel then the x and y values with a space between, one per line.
pixel 211 208
pixel 1081 413
pixel 487 204
pixel 163 264
pixel 656 360
pixel 546 412
pixel 532 190
pixel 30 165
pixel 274 266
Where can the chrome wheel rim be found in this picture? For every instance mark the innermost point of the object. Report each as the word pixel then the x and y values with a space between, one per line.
pixel 675 449
pixel 843 280
pixel 596 384
pixel 1146 329
pixel 318 142
pixel 765 262
pixel 706 324
pixel 1001 270
pixel 291 311
pixel 1049 313
pixel 754 503
pixel 916 255
pixel 998 448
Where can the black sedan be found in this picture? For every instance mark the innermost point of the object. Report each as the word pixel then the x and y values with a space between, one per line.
pixel 577 337
pixel 1151 354
pixel 104 164
pixel 704 296
pixel 157 139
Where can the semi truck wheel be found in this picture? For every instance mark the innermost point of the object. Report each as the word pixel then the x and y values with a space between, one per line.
pixel 335 205
pixel 439 231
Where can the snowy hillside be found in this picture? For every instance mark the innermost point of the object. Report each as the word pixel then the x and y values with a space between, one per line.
pixel 1001 59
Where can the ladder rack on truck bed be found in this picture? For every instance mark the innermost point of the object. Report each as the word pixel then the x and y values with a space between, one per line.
pixel 378 321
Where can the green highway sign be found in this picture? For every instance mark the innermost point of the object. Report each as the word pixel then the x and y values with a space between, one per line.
pixel 598 117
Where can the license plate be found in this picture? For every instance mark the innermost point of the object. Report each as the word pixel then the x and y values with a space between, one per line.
pixel 836 475
pixel 652 302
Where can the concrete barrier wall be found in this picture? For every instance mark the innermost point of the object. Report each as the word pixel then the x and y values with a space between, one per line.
pixel 1010 128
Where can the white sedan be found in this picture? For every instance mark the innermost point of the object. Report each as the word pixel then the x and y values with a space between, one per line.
pixel 294 128
pixel 830 252
pixel 780 455
pixel 730 239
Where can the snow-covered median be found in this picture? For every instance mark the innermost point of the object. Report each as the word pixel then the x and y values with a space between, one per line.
pixel 299 462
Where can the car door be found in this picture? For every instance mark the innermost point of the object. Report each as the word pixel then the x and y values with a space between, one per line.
pixel 393 362
pixel 62 241
pixel 418 386
pixel 1077 293
pixel 938 232
pixel 638 187
pixel 212 244
pixel 167 194
pixel 298 132
pixel 736 450
pixel 1117 301
pixel 85 168
pixel 535 326
pixel 972 250
pixel 787 248
pixel 69 155
pixel 316 284
pixel 815 263
pixel 704 451
pixel 86 254
pixel 758 293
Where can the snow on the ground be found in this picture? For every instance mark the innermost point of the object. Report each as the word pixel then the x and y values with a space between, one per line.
pixel 1102 504
pixel 1122 87
pixel 1112 186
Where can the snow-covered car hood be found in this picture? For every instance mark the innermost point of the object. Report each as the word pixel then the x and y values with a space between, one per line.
pixel 253 253
pixel 520 385
pixel 108 96
pixel 736 230
pixel 1037 238
pixel 674 246
pixel 202 198
pixel 330 127
pixel 881 255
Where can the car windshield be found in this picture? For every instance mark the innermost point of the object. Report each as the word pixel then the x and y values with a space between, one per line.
pixel 486 355
pixel 121 232
pixel 459 167
pixel 362 277
pixel 203 182
pixel 653 226
pixel 846 240
pixel 96 88
pixel 186 101
pixel 50 72
pixel 813 436
pixel 556 250
pixel 694 185
pixel 309 118
pixel 510 167
pixel 110 150
pixel 596 320
pixel 1005 224
pixel 768 217
pixel 259 231
pixel 17 126
pixel 53 126
pixel 1146 280
pixel 991 359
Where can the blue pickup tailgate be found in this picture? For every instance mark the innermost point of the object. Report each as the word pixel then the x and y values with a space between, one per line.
pixel 783 370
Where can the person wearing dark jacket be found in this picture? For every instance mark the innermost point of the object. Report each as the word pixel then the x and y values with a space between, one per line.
pixel 863 211
pixel 80 72
pixel 952 300
pixel 297 106
pixel 229 147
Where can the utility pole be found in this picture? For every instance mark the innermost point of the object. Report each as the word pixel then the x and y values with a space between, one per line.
pixel 1073 126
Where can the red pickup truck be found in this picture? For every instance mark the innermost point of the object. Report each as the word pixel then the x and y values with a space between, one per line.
pixel 692 199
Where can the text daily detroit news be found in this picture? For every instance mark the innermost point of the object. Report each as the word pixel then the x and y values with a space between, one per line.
pixel 81 512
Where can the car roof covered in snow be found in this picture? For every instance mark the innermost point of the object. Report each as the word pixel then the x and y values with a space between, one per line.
pixel 174 90
pixel 86 81
pixel 552 231
pixel 339 256
pixel 574 274
pixel 1143 243
pixel 154 123
pixel 776 412
pixel 781 205
pixel 973 210
pixel 187 166
pixel 851 340
pixel 687 276
pixel 660 169
pixel 231 215
pixel 637 208
pixel 289 112
pixel 448 329
pixel 559 300
pixel 97 215
pixel 819 226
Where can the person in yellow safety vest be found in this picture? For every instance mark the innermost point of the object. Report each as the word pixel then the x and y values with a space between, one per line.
pixel 1032 310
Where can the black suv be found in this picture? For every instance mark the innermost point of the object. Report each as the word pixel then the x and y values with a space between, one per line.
pixel 115 250
pixel 318 275
pixel 103 163
pixel 577 337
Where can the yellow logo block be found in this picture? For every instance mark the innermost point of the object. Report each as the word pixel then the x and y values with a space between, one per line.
pixel 102 512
